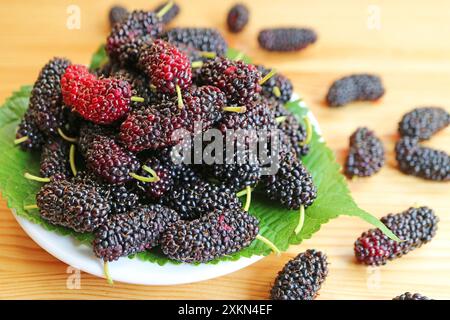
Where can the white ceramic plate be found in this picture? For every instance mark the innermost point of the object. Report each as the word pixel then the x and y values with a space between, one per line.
pixel 127 270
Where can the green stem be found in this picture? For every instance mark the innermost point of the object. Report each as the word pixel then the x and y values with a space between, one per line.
pixel 65 137
pixel 301 220
pixel 208 54
pixel 151 171
pixel 164 9
pixel 280 119
pixel 308 131
pixel 36 178
pixel 179 97
pixel 241 109
pixel 31 207
pixel 137 99
pixel 248 200
pixel 196 64
pixel 239 56
pixel 267 76
pixel 153 88
pixel 107 274
pixel 268 243
pixel 143 179
pixel 243 192
pixel 20 140
pixel 276 91
pixel 73 166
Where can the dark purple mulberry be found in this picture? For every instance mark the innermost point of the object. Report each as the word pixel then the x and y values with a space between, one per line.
pixel 301 278
pixel 423 162
pixel 237 18
pixel 357 87
pixel 411 296
pixel 415 226
pixel 277 87
pixel 55 158
pixel 88 131
pixel 286 39
pixel 366 155
pixel 424 122
pixel 216 234
pixel 30 133
pixel 132 232
pixel 117 14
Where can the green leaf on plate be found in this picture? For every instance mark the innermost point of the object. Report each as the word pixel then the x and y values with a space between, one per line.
pixel 276 223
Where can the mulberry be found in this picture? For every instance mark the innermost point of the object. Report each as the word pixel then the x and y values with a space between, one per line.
pixel 132 232
pixel 286 39
pixel 238 80
pixel 411 296
pixel 165 173
pixel 46 99
pixel 301 278
pixel 55 158
pixel 292 185
pixel 170 14
pixel 198 199
pixel 126 39
pixel 423 162
pixel 201 39
pixel 422 123
pixel 110 161
pixel 366 156
pixel 219 233
pixel 117 14
pixel 415 227
pixel 237 18
pixel 277 87
pixel 72 204
pixel 237 176
pixel 88 131
pixel 28 135
pixel 357 87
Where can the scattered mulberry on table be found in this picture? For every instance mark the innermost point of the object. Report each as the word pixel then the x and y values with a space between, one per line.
pixel 292 185
pixel 423 122
pixel 416 160
pixel 28 128
pixel 356 87
pixel 169 15
pixel 411 296
pixel 237 18
pixel 72 204
pixel 415 226
pixel 46 99
pixel 238 80
pixel 166 66
pixel 286 39
pixel 301 278
pixel 218 233
pixel 202 39
pixel 279 81
pixel 126 39
pixel 366 155
pixel 132 232
pixel 110 161
pixel 198 199
pixel 117 14
pixel 55 158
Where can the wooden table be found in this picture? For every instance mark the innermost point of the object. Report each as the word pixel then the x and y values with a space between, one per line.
pixel 411 52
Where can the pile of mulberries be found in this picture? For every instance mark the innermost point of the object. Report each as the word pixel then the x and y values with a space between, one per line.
pixel 301 278
pixel 414 227
pixel 366 155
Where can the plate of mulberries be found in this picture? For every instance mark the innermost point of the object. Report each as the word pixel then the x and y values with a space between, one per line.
pixel 89 166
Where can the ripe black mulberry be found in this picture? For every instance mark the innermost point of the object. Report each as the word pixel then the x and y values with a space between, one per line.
pixel 237 18
pixel 201 39
pixel 424 122
pixel 277 87
pixel 55 158
pixel 117 14
pixel 411 296
pixel 286 39
pixel 30 133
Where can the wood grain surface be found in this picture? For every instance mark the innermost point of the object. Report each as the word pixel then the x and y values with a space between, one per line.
pixel 410 51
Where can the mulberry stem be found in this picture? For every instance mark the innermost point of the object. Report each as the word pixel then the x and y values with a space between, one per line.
pixel 106 273
pixel 280 119
pixel 240 109
pixel 239 56
pixel 31 207
pixel 20 140
pixel 208 54
pixel 137 99
pixel 65 137
pixel 248 200
pixel 153 88
pixel 164 9
pixel 73 166
pixel 196 64
pixel 267 76
pixel 301 220
pixel 151 171
pixel 35 178
pixel 143 179
pixel 269 243
pixel 308 131
pixel 243 192
pixel 179 97
pixel 276 91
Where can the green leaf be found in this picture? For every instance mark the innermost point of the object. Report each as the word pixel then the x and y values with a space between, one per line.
pixel 276 224
pixel 99 58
